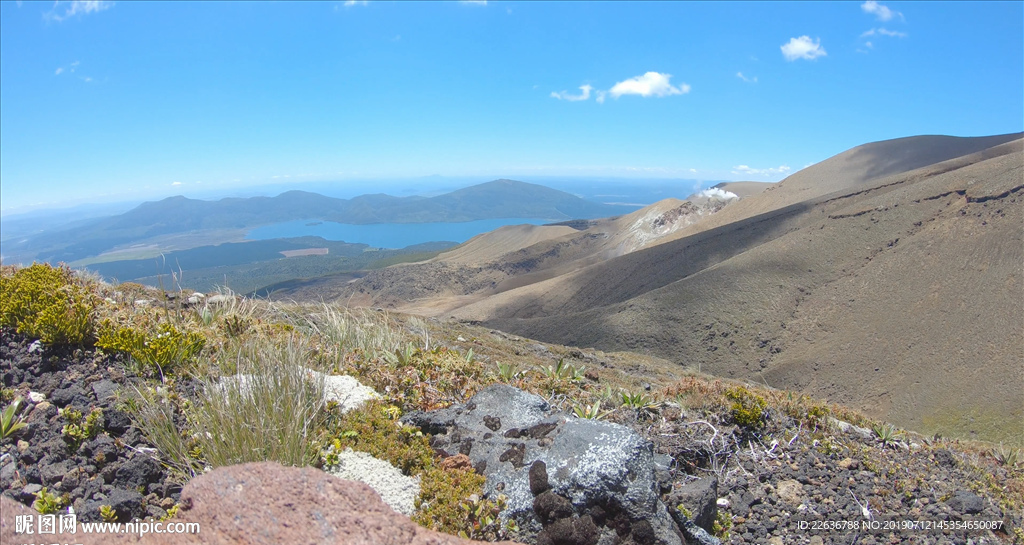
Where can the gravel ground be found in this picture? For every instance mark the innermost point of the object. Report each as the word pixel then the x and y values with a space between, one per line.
pixel 792 485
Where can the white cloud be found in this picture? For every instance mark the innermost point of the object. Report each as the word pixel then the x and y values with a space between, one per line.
pixel 893 33
pixel 744 169
pixel 718 193
pixel 59 70
pixel 175 183
pixel 867 33
pixel 745 78
pixel 600 96
pixel 649 84
pixel 803 48
pixel 564 95
pixel 76 7
pixel 883 13
pixel 693 170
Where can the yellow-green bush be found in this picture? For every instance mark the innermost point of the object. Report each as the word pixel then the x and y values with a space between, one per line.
pixel 450 502
pixel 166 349
pixel 48 303
pixel 373 429
pixel 748 408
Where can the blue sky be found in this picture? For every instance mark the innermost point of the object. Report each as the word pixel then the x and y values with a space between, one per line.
pixel 104 101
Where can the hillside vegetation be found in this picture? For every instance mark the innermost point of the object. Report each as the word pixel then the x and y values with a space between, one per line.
pixel 196 380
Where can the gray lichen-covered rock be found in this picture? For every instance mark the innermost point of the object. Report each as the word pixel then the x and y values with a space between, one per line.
pixel 597 474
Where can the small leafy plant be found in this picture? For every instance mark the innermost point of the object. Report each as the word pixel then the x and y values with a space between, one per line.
pixel 591 412
pixel 1006 457
pixel 47 503
pixel 77 431
pixel 108 513
pixel 887 434
pixel 9 423
pixel 507 372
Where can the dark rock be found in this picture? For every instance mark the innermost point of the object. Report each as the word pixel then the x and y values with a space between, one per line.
pixel 643 533
pixel 140 471
pixel 578 531
pixel 101 450
pixel 65 396
pixel 52 473
pixel 492 423
pixel 104 389
pixel 550 507
pixel 514 455
pixel 966 503
pixel 126 503
pixel 116 422
pixel 693 533
pixel 538 478
pixel 700 499
pixel 945 458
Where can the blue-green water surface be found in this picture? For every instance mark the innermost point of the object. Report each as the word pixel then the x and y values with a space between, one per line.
pixel 385 235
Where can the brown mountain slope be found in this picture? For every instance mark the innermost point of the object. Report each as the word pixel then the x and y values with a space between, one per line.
pixel 901 296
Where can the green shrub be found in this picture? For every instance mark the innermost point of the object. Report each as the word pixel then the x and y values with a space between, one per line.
pixel 450 502
pixel 165 350
pixel 373 429
pixel 748 408
pixel 49 304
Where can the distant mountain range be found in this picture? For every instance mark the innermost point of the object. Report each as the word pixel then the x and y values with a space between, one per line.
pixel 173 215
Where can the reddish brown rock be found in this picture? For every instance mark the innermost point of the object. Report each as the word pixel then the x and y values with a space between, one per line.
pixel 459 461
pixel 265 503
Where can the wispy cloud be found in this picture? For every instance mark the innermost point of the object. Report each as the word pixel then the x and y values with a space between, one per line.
pixel 650 84
pixel 564 95
pixel 745 170
pixel 69 69
pixel 745 78
pixel 882 13
pixel 803 48
pixel 76 7
pixel 893 33
pixel 350 3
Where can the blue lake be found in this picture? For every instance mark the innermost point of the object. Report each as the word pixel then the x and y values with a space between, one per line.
pixel 385 235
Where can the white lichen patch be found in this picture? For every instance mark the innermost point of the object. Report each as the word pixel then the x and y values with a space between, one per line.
pixel 397 490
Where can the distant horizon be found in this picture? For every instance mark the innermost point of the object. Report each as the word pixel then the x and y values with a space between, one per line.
pixel 112 101
pixel 381 186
